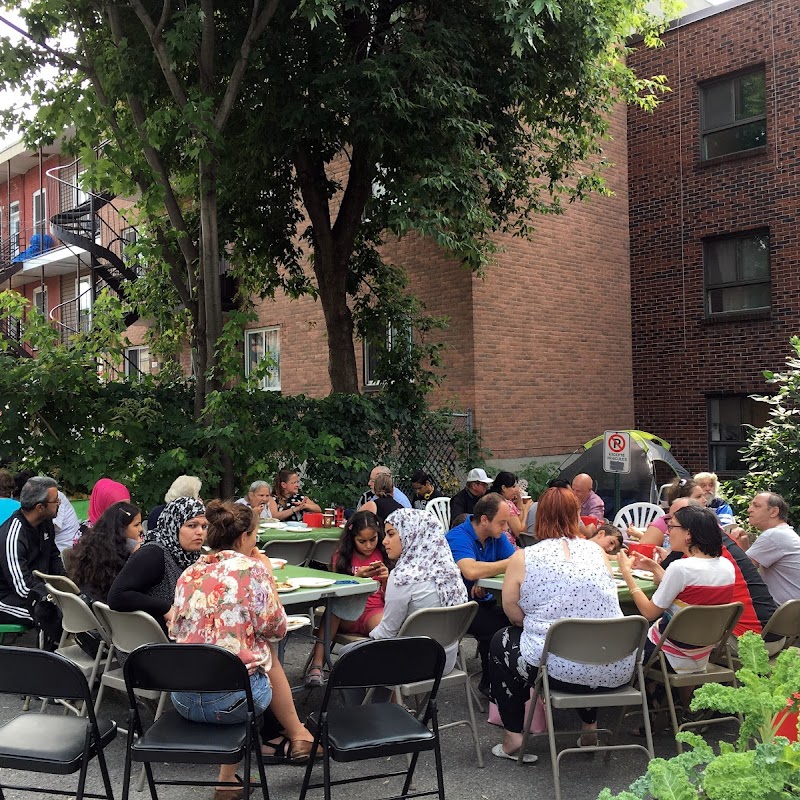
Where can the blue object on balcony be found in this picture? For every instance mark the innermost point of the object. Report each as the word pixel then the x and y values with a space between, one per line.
pixel 40 242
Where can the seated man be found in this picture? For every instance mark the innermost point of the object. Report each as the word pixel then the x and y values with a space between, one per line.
pixel 370 493
pixel 592 504
pixel 480 550
pixel 424 489
pixel 28 542
pixel 776 551
pixel 464 501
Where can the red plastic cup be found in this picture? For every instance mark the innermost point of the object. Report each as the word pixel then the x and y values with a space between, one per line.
pixel 648 550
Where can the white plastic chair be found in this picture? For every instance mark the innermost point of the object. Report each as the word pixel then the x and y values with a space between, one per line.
pixel 639 515
pixel 440 508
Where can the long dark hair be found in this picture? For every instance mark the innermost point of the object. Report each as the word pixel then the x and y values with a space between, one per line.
pixel 361 520
pixel 102 550
pixel 503 480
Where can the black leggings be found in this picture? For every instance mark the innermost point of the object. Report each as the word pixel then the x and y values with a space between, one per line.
pixel 512 678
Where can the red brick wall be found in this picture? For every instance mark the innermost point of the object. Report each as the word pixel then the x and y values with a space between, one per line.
pixel 680 358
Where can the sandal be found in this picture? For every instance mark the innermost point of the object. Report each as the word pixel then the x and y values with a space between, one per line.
pixel 315 675
pixel 300 751
pixel 288 751
pixel 232 793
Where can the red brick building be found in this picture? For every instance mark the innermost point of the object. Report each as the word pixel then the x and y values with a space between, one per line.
pixel 714 225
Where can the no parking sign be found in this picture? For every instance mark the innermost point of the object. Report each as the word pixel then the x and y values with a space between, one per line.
pixel 617 452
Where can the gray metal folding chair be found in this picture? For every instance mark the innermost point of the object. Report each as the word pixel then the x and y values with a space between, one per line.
pixel 446 626
pixel 785 622
pixel 295 552
pixel 696 626
pixel 60 582
pixel 527 539
pixel 323 551
pixel 591 641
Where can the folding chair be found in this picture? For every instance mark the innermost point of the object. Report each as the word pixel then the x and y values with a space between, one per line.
pixel 60 582
pixel 640 515
pixel 62 746
pixel 591 641
pixel 173 739
pixel 295 552
pixel 784 622
pixel 440 508
pixel 696 626
pixel 67 558
pixel 527 539
pixel 323 552
pixel 14 630
pixel 77 617
pixel 355 733
pixel 446 626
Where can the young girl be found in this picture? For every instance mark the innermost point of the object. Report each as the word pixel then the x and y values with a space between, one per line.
pixel 361 553
pixel 709 483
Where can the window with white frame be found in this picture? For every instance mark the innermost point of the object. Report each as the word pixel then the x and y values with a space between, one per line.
pixel 372 353
pixel 737 273
pixel 13 228
pixel 129 236
pixel 39 211
pixel 733 114
pixel 728 418
pixel 40 300
pixel 137 362
pixel 263 345
pixel 80 195
pixel 83 292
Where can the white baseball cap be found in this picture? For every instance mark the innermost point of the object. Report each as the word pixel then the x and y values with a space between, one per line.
pixel 479 475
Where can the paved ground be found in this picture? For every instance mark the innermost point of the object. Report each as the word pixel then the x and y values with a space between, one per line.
pixel 583 776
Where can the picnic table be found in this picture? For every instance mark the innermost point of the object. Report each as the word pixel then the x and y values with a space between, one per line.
pixel 274 534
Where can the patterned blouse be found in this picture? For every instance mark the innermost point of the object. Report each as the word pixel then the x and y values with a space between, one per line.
pixel 230 600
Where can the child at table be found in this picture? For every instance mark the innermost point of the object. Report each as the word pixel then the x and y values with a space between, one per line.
pixel 360 553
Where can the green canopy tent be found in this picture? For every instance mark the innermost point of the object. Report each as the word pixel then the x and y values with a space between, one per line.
pixel 651 466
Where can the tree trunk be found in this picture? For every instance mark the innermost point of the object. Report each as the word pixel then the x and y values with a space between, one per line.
pixel 211 298
pixel 331 272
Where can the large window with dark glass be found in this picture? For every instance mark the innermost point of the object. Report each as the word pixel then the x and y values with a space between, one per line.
pixel 733 114
pixel 728 419
pixel 737 273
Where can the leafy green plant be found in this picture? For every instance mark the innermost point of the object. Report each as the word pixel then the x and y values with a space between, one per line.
pixel 538 476
pixel 761 766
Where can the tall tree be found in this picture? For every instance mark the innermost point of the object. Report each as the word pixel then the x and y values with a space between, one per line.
pixel 319 129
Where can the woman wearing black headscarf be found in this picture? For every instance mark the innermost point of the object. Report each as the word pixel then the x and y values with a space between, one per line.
pixel 148 579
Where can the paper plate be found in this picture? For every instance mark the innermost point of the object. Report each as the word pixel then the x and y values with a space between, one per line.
pixel 277 563
pixel 285 589
pixel 311 583
pixel 297 526
pixel 297 621
pixel 620 583
pixel 641 573
pixel 272 526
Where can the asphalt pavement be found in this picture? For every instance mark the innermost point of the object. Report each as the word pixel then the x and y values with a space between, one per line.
pixel 583 775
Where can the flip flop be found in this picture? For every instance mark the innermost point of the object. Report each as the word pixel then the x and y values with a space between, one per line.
pixel 528 758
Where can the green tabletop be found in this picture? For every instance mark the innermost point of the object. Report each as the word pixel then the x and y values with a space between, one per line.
pixel 271 534
pixel 343 586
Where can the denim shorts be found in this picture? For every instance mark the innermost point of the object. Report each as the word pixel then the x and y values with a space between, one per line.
pixel 223 708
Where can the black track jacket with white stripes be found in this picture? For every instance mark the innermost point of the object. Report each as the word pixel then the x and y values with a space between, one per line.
pixel 23 549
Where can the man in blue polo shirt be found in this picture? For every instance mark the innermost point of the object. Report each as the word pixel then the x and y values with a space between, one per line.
pixel 481 550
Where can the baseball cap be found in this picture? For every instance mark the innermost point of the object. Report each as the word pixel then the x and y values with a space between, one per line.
pixel 479 475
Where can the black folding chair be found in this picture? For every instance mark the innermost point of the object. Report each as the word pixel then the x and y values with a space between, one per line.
pixel 51 744
pixel 356 733
pixel 173 739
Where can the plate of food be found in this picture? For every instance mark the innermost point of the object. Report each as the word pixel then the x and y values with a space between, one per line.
pixel 284 587
pixel 620 583
pixel 277 563
pixel 295 621
pixel 642 573
pixel 311 583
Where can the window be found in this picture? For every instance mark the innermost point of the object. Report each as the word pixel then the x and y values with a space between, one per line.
pixel 264 345
pixel 733 114
pixel 737 273
pixel 372 353
pixel 727 417
pixel 79 195
pixel 13 228
pixel 83 291
pixel 40 300
pixel 39 210
pixel 129 236
pixel 137 362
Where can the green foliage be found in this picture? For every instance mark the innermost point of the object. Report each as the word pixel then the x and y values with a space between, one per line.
pixel 538 476
pixel 772 453
pixel 769 770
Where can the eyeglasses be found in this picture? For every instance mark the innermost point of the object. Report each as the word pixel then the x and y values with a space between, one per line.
pixel 676 527
pixel 51 502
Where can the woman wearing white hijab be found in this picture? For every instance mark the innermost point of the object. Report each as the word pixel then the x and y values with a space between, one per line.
pixel 424 575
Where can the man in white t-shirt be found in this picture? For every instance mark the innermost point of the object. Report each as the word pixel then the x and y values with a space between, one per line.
pixel 776 551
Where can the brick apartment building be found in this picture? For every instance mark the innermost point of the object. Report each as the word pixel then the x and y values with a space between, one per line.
pixel 713 177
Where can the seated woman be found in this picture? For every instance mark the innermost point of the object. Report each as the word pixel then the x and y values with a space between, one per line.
pixel 104 494
pixel 703 577
pixel 505 484
pixel 147 581
pixel 656 532
pixel 383 503
pixel 104 549
pixel 561 576
pixel 182 486
pixel 287 503
pixel 259 497
pixel 360 553
pixel 228 598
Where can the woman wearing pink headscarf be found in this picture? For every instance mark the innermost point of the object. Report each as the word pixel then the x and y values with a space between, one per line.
pixel 104 494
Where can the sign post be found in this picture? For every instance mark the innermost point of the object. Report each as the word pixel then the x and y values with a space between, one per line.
pixel 617 458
